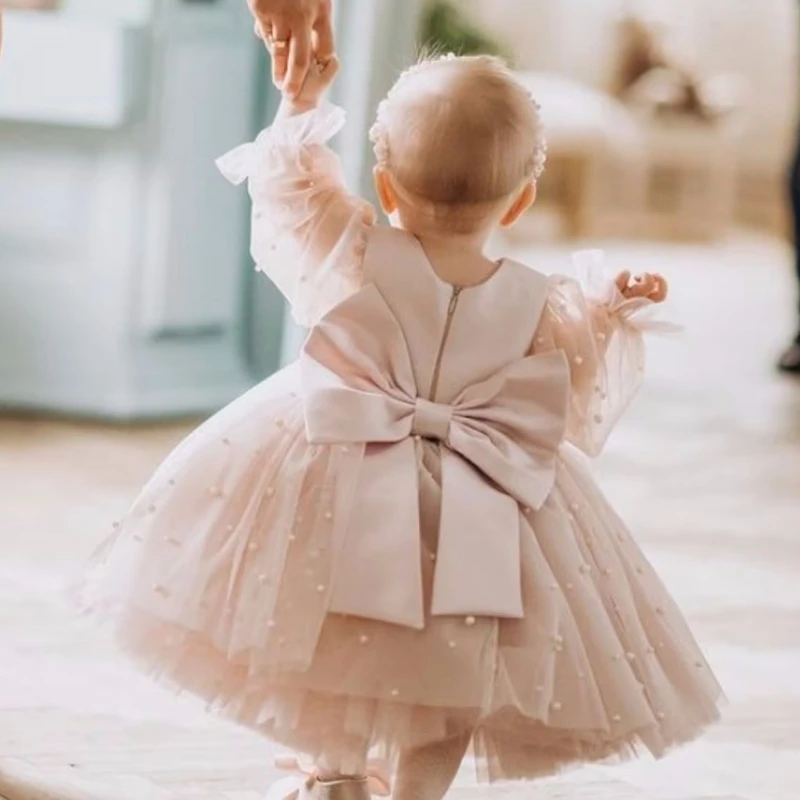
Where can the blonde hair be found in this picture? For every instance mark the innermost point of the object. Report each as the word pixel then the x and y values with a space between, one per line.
pixel 459 131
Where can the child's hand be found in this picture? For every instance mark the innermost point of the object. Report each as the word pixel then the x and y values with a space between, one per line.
pixel 319 79
pixel 650 286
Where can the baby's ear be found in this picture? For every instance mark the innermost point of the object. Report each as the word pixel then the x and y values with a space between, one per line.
pixel 523 201
pixel 385 190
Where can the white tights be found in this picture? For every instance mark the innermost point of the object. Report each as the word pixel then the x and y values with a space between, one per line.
pixel 426 773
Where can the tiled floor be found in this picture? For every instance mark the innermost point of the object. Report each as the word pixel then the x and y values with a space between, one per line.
pixel 706 468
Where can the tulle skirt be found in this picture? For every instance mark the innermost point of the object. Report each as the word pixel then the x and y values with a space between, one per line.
pixel 216 583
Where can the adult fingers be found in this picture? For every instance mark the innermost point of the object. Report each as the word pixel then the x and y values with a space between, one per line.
pixel 280 43
pixel 324 44
pixel 299 56
pixel 262 31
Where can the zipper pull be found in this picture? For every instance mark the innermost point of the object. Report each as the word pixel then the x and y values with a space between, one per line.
pixel 454 299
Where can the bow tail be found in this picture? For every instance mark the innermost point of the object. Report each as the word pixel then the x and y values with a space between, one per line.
pixel 378 574
pixel 478 568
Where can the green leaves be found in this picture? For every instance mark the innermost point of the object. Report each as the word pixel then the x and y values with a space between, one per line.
pixel 445 29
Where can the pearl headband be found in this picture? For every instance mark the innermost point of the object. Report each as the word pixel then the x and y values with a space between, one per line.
pixel 379 136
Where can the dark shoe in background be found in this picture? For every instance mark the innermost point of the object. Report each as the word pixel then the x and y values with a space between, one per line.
pixel 790 360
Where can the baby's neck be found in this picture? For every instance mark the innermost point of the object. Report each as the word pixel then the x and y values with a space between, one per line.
pixel 465 243
pixel 457 258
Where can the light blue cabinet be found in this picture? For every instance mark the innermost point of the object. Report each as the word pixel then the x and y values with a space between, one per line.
pixel 126 289
pixel 121 249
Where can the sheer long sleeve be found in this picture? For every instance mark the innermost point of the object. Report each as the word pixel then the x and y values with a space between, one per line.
pixel 602 334
pixel 308 232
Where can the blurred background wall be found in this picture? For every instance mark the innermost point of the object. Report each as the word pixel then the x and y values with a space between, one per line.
pixel 126 289
pixel 755 42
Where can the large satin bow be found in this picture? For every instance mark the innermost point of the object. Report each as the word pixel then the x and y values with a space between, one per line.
pixel 500 437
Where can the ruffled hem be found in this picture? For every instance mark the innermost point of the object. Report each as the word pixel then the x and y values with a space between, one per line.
pixel 217 584
pixel 602 666
pixel 507 744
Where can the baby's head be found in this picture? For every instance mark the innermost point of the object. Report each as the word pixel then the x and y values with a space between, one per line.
pixel 459 145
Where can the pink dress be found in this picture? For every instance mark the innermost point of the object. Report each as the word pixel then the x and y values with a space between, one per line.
pixel 397 539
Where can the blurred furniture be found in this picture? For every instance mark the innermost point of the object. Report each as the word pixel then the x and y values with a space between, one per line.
pixel 692 177
pixel 122 251
pixel 126 285
pixel 596 156
pixel 92 76
pixel 689 123
pixel 581 39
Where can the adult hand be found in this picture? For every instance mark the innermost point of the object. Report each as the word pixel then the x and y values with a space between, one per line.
pixel 295 30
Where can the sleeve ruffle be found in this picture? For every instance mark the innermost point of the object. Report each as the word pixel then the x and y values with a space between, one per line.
pixel 308 232
pixel 602 334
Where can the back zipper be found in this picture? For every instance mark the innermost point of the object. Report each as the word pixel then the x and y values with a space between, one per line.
pixel 451 310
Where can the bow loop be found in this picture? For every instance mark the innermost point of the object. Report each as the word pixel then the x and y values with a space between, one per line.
pixel 499 441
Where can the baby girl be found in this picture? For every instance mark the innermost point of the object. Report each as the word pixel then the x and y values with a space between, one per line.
pixel 394 549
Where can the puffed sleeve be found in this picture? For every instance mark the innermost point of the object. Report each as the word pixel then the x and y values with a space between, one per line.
pixel 602 334
pixel 308 232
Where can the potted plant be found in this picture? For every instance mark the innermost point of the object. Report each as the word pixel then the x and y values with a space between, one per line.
pixel 446 29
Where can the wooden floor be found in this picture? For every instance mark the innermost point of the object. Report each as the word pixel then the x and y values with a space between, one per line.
pixel 706 468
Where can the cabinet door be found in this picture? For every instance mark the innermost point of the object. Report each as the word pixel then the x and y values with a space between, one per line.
pixel 265 311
